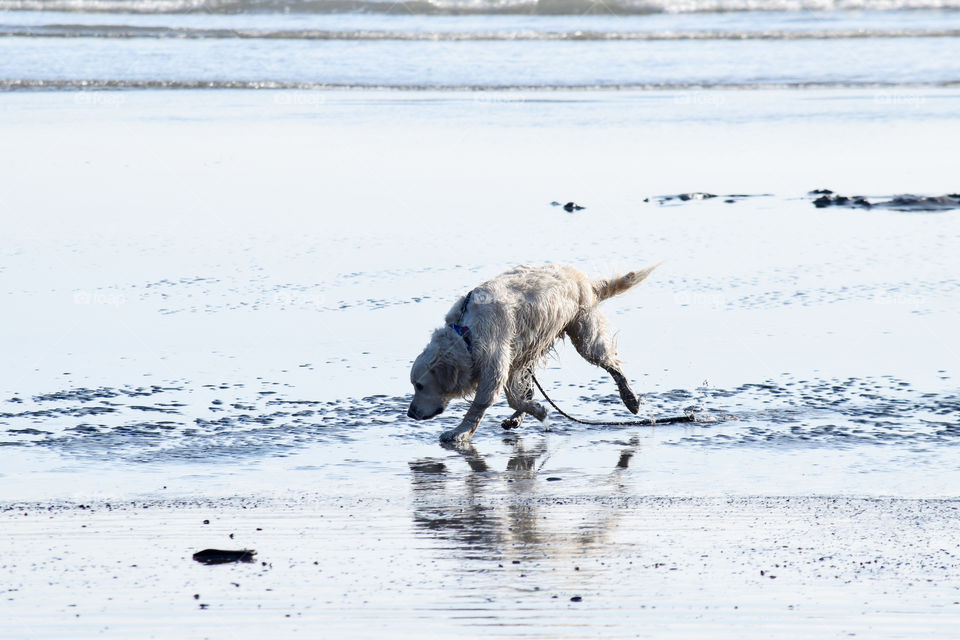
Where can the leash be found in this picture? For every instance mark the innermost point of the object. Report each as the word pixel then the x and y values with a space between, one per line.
pixel 645 422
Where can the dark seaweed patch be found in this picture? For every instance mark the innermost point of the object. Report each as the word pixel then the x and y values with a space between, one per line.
pixel 906 202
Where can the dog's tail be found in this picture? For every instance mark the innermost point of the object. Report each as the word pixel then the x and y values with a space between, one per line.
pixel 609 287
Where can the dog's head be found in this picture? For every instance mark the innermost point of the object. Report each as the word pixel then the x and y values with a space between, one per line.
pixel 443 371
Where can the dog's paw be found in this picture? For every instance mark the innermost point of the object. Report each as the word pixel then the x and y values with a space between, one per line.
pixel 455 436
pixel 512 423
pixel 541 413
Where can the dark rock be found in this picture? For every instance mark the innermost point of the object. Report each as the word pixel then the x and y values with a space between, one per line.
pixel 572 206
pixel 576 599
pixel 922 203
pixel 906 202
pixel 841 201
pixel 222 556
pixel 823 201
pixel 696 196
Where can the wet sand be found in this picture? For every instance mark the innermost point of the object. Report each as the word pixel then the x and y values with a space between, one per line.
pixel 498 553
pixel 212 317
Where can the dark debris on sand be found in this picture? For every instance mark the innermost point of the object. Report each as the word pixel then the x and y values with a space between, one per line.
pixel 694 196
pixel 223 556
pixel 570 207
pixel 824 198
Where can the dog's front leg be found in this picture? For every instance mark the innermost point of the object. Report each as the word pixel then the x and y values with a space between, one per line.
pixel 492 381
pixel 470 422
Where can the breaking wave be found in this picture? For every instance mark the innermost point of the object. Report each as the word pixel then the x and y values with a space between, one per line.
pixel 188 33
pixel 73 85
pixel 470 7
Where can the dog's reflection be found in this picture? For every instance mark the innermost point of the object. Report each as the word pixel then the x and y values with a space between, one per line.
pixel 505 512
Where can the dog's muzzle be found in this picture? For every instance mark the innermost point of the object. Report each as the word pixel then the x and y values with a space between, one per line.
pixel 413 413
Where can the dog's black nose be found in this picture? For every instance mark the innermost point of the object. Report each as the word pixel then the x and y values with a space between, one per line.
pixel 412 414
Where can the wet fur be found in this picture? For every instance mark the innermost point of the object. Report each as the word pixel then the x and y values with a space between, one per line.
pixel 514 321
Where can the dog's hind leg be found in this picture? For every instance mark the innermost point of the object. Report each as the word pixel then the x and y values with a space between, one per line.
pixel 589 335
pixel 520 397
pixel 513 421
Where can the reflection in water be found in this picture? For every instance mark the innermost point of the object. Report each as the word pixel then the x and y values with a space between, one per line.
pixel 509 513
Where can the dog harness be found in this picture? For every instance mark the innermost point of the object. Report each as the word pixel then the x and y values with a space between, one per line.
pixel 462 331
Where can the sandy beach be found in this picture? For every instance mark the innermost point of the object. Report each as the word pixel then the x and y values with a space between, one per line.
pixel 212 299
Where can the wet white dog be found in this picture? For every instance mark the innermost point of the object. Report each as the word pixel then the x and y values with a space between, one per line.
pixel 496 334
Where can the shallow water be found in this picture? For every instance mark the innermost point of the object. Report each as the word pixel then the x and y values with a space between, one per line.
pixel 837 437
pixel 50 44
pixel 259 336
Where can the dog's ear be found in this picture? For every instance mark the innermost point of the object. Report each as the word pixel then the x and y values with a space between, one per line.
pixel 448 376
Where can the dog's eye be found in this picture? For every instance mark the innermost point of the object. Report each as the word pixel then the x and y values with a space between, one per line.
pixel 418 386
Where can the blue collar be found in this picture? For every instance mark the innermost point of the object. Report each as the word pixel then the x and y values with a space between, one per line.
pixel 462 331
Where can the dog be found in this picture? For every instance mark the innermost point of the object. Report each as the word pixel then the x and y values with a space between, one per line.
pixel 496 335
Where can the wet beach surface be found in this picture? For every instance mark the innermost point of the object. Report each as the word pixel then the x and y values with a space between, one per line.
pixel 502 553
pixel 818 422
pixel 236 351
